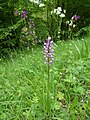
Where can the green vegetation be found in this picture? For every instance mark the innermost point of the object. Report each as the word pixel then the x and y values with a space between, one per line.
pixel 39 80
pixel 23 79
pixel 15 23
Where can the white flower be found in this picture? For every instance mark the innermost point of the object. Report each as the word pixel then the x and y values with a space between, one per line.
pixel 71 23
pixel 74 78
pixel 74 25
pixel 51 12
pixel 59 9
pixel 41 5
pixel 36 1
pixel 49 38
pixel 55 10
pixel 67 22
pixel 31 0
pixel 62 15
pixel 58 12
pixel 64 11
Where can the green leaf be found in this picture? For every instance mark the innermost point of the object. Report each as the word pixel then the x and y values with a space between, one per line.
pixel 56 105
pixel 74 103
pixel 60 96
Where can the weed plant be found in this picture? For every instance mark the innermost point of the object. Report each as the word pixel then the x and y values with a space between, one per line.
pixel 23 80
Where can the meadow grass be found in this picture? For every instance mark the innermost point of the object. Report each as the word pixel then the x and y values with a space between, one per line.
pixel 23 77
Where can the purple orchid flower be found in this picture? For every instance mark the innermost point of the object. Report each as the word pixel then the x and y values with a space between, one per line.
pixel 24 14
pixel 75 17
pixel 48 51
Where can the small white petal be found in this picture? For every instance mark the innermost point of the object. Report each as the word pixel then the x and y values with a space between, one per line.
pixel 59 9
pixel 41 5
pixel 58 13
pixel 74 25
pixel 51 12
pixel 67 22
pixel 64 11
pixel 71 23
pixel 49 38
pixel 62 15
pixel 55 10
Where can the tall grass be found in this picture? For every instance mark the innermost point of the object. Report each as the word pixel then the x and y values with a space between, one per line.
pixel 23 79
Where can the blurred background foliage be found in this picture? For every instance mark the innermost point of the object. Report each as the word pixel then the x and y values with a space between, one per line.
pixel 11 25
pixel 80 7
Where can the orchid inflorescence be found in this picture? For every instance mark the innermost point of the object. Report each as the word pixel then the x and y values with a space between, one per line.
pixel 48 51
pixel 31 24
pixel 24 14
pixel 16 13
pixel 72 22
pixel 31 27
pixel 75 17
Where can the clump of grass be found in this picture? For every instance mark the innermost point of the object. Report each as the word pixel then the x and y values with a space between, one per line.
pixel 23 81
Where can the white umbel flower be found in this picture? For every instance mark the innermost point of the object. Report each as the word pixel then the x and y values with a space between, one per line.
pixel 51 12
pixel 36 1
pixel 67 22
pixel 71 23
pixel 74 25
pixel 64 11
pixel 31 0
pixel 62 15
pixel 58 12
pixel 41 5
pixel 59 9
pixel 55 10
